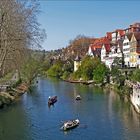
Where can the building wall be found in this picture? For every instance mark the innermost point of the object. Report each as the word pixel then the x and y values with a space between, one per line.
pixel 138 60
pixel 133 54
pixel 115 53
pixel 103 53
pixel 135 98
pixel 118 36
pixel 126 51
pixel 90 53
pixel 109 61
pixel 76 65
pixel 114 36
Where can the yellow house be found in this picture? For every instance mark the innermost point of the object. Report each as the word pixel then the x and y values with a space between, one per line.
pixel 77 63
pixel 135 50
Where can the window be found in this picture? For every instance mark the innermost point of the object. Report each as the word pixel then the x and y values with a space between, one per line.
pixel 134 43
pixel 126 49
pixel 125 44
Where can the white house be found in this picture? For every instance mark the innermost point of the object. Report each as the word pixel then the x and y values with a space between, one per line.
pixel 117 35
pixel 105 51
pixel 115 52
pixel 112 55
pixel 126 49
pixel 114 36
pixel 94 49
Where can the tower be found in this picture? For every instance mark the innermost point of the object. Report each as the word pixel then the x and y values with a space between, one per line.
pixel 77 63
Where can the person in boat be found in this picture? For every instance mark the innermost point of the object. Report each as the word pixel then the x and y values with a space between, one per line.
pixel 49 98
pixel 78 97
pixel 70 124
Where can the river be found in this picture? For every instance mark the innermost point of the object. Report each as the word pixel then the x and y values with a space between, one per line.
pixel 103 115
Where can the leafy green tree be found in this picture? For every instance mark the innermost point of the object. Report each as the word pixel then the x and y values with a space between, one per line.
pixel 56 70
pixel 136 75
pixel 85 71
pixel 30 70
pixel 67 69
pixel 76 75
pixel 117 76
pixel 86 68
pixel 45 66
pixel 68 66
pixel 100 73
pixel 115 72
pixel 66 75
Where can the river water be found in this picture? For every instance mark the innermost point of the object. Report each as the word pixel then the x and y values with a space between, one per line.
pixel 103 115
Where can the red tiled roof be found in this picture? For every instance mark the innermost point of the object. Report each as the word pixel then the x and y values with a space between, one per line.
pixel 98 43
pixel 121 32
pixel 107 47
pixel 92 40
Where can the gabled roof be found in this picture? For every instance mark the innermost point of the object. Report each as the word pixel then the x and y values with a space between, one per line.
pixel 107 47
pixel 129 35
pixel 121 32
pixel 135 25
pixel 97 45
pixel 137 35
pixel 78 58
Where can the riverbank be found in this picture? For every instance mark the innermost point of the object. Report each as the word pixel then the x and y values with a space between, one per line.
pixel 126 91
pixel 10 95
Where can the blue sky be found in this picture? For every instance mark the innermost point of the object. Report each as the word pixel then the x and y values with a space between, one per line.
pixel 63 20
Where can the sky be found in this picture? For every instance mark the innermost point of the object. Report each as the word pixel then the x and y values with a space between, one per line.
pixel 63 20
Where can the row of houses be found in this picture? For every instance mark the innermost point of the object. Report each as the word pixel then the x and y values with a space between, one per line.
pixel 121 43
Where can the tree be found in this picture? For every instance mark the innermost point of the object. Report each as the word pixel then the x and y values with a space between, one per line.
pixel 86 69
pixel 56 70
pixel 136 75
pixel 30 70
pixel 19 31
pixel 68 66
pixel 79 45
pixel 100 73
pixel 117 75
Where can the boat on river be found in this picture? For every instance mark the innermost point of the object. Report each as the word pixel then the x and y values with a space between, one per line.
pixel 52 100
pixel 70 125
pixel 78 97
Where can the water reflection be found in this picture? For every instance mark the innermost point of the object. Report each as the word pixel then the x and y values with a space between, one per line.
pixel 102 114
